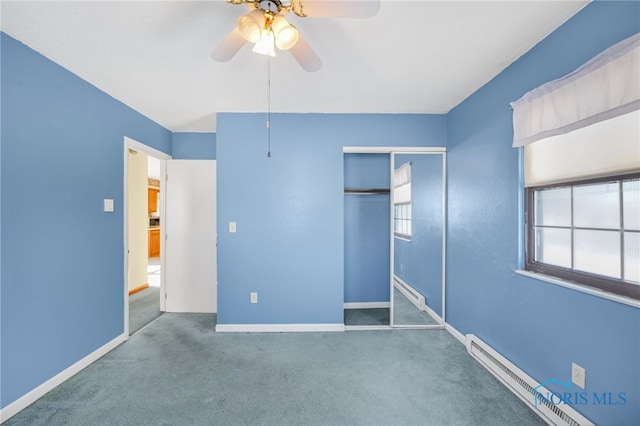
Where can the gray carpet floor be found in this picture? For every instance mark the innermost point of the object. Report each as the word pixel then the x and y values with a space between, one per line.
pixel 372 316
pixel 144 307
pixel 178 371
pixel 404 313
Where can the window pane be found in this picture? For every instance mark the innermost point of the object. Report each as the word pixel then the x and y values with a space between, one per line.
pixel 632 257
pixel 553 246
pixel 402 219
pixel 553 207
pixel 597 206
pixel 597 252
pixel 631 200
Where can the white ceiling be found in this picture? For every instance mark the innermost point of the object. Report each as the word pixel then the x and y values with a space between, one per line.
pixel 413 57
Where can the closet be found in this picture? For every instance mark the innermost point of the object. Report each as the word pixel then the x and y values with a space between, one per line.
pixel 367 246
pixel 394 237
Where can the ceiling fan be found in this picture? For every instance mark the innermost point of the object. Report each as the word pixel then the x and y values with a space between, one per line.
pixel 265 25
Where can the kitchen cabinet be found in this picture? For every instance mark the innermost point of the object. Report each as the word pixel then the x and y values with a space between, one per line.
pixel 153 200
pixel 154 242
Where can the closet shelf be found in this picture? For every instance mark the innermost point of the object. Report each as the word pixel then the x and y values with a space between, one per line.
pixel 367 191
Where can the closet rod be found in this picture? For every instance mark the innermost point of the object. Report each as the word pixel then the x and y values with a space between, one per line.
pixel 367 191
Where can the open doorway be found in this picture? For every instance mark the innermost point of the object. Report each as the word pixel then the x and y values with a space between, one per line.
pixel 367 197
pixel 144 167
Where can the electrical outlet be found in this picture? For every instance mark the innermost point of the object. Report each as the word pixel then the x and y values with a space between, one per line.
pixel 578 375
pixel 108 205
pixel 254 297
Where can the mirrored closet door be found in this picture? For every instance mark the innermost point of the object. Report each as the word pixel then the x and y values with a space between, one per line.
pixel 418 239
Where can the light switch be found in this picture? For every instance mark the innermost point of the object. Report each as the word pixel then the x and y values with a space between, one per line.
pixel 108 205
pixel 232 227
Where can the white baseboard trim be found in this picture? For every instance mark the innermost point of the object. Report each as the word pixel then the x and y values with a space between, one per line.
pixel 366 305
pixel 432 314
pixel 29 398
pixel 276 328
pixel 367 327
pixel 455 333
pixel 419 327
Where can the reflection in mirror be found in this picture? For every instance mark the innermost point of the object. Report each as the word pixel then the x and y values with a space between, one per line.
pixel 407 312
pixel 418 229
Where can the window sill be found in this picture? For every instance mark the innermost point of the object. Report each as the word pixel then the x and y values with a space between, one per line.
pixel 584 289
pixel 400 237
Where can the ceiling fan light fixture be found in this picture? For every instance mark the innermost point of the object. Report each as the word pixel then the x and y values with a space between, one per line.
pixel 264 45
pixel 251 24
pixel 286 35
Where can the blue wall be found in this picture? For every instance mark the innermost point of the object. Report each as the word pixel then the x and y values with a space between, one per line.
pixel 289 209
pixel 193 146
pixel 62 256
pixel 367 229
pixel 541 327
pixel 419 261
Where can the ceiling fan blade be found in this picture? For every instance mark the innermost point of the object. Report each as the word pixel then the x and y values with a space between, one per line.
pixel 341 9
pixel 305 55
pixel 229 47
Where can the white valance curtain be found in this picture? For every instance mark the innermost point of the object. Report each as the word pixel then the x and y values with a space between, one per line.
pixel 605 87
pixel 402 184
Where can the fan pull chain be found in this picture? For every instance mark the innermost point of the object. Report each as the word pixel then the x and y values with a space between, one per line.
pixel 268 124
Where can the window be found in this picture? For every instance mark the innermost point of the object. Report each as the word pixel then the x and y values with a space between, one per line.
pixel 402 220
pixel 588 232
pixel 402 201
pixel 574 130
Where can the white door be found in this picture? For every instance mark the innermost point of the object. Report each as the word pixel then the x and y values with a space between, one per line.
pixel 190 245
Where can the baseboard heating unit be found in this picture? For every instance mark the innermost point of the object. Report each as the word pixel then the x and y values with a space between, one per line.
pixel 410 292
pixel 523 386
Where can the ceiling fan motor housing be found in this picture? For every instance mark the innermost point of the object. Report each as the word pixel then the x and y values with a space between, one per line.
pixel 270 6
